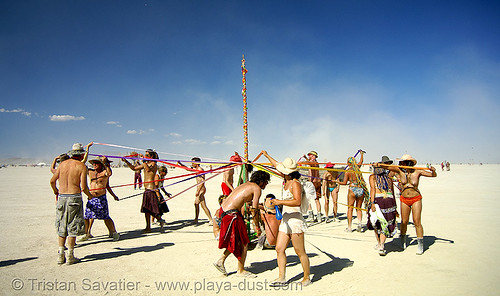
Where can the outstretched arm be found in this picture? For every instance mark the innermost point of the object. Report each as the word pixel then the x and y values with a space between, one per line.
pixel 134 168
pixel 272 160
pixel 432 173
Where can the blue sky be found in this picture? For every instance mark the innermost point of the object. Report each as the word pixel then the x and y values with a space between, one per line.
pixel 390 77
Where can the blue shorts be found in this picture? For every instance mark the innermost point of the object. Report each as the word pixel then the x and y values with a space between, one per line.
pixel 97 208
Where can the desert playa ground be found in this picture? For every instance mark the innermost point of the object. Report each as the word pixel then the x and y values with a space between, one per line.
pixel 460 219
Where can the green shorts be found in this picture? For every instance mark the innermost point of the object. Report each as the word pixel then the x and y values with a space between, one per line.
pixel 69 215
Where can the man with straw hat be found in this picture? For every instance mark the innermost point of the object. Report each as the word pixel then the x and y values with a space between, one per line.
pixel 97 206
pixel 72 177
pixel 316 180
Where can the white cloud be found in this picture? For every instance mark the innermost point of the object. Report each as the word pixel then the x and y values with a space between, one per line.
pixel 25 113
pixel 115 123
pixel 177 143
pixel 131 132
pixel 175 135
pixel 215 142
pixel 65 117
pixel 194 141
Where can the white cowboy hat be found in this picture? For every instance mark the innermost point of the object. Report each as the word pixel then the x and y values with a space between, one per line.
pixel 288 166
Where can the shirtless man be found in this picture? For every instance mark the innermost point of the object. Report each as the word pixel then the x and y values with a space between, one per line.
pixel 227 176
pixel 411 199
pixel 316 180
pixel 72 177
pixel 233 236
pixel 150 206
pixel 199 199
pixel 329 187
pixel 97 206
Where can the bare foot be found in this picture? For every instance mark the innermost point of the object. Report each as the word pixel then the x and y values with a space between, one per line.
pixel 305 282
pixel 246 274
pixel 220 268
pixel 146 230
pixel 279 282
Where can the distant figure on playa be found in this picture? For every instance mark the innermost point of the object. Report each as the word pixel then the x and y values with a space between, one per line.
pixel 72 177
pixel 228 176
pixel 233 236
pixel 199 197
pixel 411 199
pixel 292 226
pixel 137 174
pixel 97 206
pixel 447 166
pixel 316 180
pixel 442 166
pixel 150 206
pixel 329 187
pixel 356 191
pixel 382 208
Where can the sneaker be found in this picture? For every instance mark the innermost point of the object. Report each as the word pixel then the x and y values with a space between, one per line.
pixel 382 252
pixel 61 258
pixel 402 239
pixel 319 217
pixel 72 260
pixel 116 236
pixel 328 220
pixel 360 228
pixel 420 248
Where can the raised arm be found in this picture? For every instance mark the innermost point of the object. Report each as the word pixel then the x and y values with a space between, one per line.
pixel 432 173
pixel 272 160
pixel 132 167
pixel 87 148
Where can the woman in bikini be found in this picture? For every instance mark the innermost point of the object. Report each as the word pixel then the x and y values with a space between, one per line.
pixel 356 193
pixel 411 199
pixel 329 187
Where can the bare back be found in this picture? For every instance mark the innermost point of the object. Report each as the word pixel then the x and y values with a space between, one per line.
pixel 72 177
pixel 246 192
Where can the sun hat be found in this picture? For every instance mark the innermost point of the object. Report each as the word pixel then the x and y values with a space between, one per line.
pixel 76 150
pixel 313 153
pixel 407 157
pixel 96 160
pixel 288 166
pixel 329 165
pixel 385 159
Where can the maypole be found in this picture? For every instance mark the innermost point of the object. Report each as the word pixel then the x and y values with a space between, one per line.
pixel 244 94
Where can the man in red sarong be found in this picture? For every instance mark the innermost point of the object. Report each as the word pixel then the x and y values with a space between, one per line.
pixel 233 236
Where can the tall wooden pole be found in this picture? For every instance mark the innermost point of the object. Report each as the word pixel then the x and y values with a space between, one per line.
pixel 244 94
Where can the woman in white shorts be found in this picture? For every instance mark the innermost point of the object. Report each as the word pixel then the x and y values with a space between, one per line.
pixel 293 226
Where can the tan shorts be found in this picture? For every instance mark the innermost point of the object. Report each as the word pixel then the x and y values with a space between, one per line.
pixel 69 215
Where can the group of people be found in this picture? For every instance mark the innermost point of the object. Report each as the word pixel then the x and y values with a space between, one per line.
pixel 232 232
pixel 380 202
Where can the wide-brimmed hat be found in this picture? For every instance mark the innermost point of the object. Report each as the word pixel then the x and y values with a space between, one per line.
pixel 385 159
pixel 96 160
pixel 288 166
pixel 76 150
pixel 313 153
pixel 407 157
pixel 329 165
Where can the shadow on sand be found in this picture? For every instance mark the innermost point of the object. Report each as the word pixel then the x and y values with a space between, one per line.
pixel 124 252
pixel 15 261
pixel 395 244
pixel 335 264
